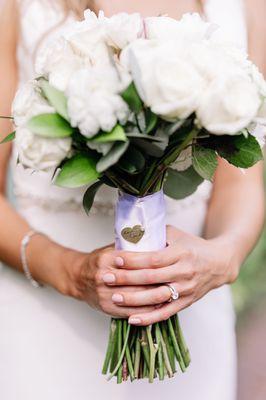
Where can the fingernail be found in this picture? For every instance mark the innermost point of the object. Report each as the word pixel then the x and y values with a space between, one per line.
pixel 117 298
pixel 119 261
pixel 134 321
pixel 109 278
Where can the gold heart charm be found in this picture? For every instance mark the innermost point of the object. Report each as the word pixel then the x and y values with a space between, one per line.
pixel 133 235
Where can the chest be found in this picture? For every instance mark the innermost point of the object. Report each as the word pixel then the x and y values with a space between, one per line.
pixel 174 8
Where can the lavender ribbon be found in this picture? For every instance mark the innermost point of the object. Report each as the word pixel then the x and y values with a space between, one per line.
pixel 140 222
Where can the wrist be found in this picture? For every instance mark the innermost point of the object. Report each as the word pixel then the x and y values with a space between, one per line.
pixel 229 257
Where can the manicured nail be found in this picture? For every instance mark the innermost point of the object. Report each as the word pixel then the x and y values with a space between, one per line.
pixel 119 261
pixel 109 278
pixel 134 321
pixel 117 298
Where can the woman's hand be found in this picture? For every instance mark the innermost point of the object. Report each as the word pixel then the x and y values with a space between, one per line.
pixel 193 266
pixel 80 275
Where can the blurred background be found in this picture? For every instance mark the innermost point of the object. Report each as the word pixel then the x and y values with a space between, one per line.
pixel 250 301
pixel 250 294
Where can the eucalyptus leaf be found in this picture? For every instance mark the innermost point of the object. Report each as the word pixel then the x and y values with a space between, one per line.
pixel 56 98
pixel 150 138
pixel 179 185
pixel 131 97
pixel 204 161
pixel 240 151
pixel 89 196
pixel 132 161
pixel 151 121
pixel 9 138
pixel 80 170
pixel 112 157
pixel 151 148
pixel 117 134
pixel 50 125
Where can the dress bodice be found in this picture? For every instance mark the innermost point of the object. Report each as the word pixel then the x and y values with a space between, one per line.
pixel 40 21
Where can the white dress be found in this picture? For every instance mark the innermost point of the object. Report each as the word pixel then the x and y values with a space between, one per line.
pixel 52 347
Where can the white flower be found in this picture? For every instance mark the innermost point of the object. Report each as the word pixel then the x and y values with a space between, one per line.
pixel 57 62
pixel 228 105
pixel 191 27
pixel 93 100
pixel 165 80
pixel 40 153
pixel 122 29
pixel 28 103
pixel 183 161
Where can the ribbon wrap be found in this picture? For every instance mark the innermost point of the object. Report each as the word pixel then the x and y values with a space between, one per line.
pixel 140 223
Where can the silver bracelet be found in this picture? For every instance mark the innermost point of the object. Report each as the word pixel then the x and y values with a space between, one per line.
pixel 24 243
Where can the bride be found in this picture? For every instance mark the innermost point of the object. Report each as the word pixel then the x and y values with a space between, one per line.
pixel 52 339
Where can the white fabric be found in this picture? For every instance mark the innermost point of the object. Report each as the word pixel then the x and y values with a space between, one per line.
pixel 52 347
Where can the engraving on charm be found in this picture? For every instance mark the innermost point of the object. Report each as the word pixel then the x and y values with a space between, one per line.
pixel 133 235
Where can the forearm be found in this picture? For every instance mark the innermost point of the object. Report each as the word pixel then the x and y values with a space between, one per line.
pixel 43 255
pixel 236 211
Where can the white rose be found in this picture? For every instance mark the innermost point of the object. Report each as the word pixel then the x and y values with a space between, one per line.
pixel 40 153
pixel 122 29
pixel 29 102
pixel 191 27
pixel 57 62
pixel 94 102
pixel 165 80
pixel 228 105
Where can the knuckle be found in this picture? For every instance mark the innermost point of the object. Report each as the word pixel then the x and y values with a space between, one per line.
pixel 156 259
pixel 98 279
pixel 103 260
pixel 160 298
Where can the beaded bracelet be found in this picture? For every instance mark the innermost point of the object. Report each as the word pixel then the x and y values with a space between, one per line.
pixel 24 243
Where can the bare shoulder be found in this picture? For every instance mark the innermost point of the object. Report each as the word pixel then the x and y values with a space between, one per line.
pixel 256 16
pixel 9 22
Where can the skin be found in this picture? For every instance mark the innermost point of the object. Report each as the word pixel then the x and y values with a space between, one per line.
pixel 126 284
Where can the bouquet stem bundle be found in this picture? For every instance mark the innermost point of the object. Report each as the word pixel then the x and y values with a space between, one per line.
pixel 145 352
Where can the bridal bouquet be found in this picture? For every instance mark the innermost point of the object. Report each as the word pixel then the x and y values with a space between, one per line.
pixel 146 106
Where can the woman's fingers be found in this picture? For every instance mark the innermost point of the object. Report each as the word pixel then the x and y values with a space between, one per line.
pixel 123 277
pixel 162 313
pixel 152 296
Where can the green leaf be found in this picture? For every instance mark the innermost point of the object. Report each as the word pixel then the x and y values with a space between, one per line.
pixel 151 121
pixel 179 185
pixel 56 98
pixel 241 151
pixel 112 157
pixel 204 161
pixel 9 138
pixel 89 196
pixel 131 97
pixel 132 161
pixel 150 138
pixel 116 135
pixel 78 171
pixel 50 125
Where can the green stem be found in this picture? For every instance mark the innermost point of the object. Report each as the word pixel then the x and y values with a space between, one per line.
pixel 160 352
pixel 145 347
pixel 181 340
pixel 122 351
pixel 170 349
pixel 176 347
pixel 137 356
pixel 128 355
pixel 165 161
pixel 167 363
pixel 110 347
pixel 153 351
